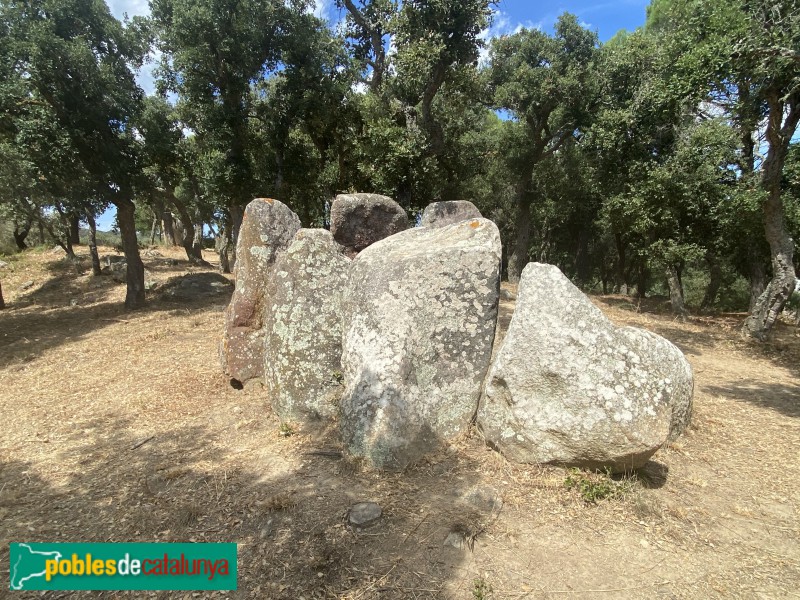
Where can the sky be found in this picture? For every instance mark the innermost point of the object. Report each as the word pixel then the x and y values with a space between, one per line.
pixel 604 17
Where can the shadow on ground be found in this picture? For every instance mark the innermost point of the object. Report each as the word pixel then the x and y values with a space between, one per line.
pixel 109 484
pixel 27 332
pixel 782 397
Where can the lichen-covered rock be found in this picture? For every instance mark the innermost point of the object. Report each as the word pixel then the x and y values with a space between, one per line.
pixel 567 387
pixel 439 214
pixel 360 220
pixel 268 227
pixel 419 314
pixel 303 355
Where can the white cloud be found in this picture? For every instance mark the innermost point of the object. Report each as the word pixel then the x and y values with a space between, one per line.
pixel 322 9
pixel 501 25
pixel 132 7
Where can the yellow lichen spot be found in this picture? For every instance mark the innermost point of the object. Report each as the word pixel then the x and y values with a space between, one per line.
pixel 475 224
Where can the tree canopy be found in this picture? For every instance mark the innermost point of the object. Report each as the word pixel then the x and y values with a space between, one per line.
pixel 663 158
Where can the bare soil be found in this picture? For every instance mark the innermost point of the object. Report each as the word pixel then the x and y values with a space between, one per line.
pixel 119 426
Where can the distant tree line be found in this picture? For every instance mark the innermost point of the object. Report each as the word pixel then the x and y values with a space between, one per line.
pixel 668 150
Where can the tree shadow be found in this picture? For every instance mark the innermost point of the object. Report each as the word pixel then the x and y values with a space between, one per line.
pixel 105 481
pixel 28 332
pixel 782 397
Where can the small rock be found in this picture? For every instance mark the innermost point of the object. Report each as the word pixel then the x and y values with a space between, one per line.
pixel 73 302
pixel 3 265
pixel 364 514
pixel 485 498
pixel 456 539
pixel 440 214
pixel 360 220
pixel 27 285
pixel 507 295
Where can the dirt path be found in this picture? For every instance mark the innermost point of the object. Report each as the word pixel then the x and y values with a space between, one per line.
pixel 716 514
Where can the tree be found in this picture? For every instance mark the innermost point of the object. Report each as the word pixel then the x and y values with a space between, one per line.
pixel 546 84
pixel 74 58
pixel 745 53
pixel 212 51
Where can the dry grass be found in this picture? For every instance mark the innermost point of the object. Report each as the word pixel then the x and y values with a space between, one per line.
pixel 120 427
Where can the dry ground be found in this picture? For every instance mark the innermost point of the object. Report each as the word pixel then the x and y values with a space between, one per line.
pixel 84 383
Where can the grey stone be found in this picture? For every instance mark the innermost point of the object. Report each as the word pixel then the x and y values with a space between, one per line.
pixel 508 295
pixel 567 387
pixel 303 356
pixel 196 286
pixel 439 214
pixel 118 271
pixel 364 514
pixel 360 220
pixel 3 264
pixel 484 498
pixel 419 316
pixel 457 540
pixel 27 285
pixel 267 229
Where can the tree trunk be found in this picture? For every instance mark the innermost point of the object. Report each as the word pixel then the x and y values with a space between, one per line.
pixel 41 231
pixel 153 229
pixel 758 278
pixel 519 257
pixel 676 292
pixel 779 133
pixel 2 302
pixel 621 284
pixel 583 265
pixel 134 298
pixel 74 230
pixel 197 242
pixel 225 244
pixel 187 222
pixel 714 281
pixel 642 278
pixel 68 244
pixel 21 233
pixel 93 244
pixel 168 229
pixel 237 214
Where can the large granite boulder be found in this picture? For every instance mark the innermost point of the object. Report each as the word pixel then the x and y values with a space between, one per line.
pixel 268 227
pixel 439 214
pixel 303 356
pixel 567 387
pixel 419 314
pixel 359 220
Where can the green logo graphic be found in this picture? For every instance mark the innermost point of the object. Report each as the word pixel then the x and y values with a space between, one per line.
pixel 135 566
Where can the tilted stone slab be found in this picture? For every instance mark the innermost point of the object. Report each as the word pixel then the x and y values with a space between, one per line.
pixel 567 387
pixel 439 214
pixel 419 315
pixel 360 220
pixel 303 357
pixel 268 227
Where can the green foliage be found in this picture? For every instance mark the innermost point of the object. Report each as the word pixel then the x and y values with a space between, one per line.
pixel 481 589
pixel 593 487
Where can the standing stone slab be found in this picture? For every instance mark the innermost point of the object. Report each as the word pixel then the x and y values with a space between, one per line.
pixel 419 315
pixel 360 220
pixel 303 358
pixel 439 214
pixel 268 227
pixel 567 387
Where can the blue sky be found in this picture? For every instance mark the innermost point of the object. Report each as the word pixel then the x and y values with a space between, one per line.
pixel 604 17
